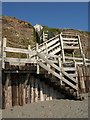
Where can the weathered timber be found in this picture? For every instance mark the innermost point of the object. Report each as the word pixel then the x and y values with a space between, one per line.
pixel 19 50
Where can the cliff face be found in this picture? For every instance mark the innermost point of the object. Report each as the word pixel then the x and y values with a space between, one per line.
pixel 18 33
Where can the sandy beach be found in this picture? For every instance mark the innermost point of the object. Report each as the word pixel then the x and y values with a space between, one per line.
pixel 62 108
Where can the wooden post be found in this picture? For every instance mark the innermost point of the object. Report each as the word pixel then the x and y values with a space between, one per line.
pixel 7 80
pixel 43 37
pixel 83 56
pixel 28 92
pixel 3 52
pixel 82 83
pixel 7 91
pixel 20 92
pixel 59 61
pixel 44 92
pixel 76 79
pixel 41 93
pixel 50 93
pixel 37 58
pixel 26 89
pixel 47 92
pixel 73 57
pixel 0 77
pixel 36 90
pixel 0 48
pixel 24 95
pixel 63 58
pixel 29 48
pixel 32 89
pixel 45 88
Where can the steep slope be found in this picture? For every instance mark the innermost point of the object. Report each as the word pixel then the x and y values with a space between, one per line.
pixel 18 33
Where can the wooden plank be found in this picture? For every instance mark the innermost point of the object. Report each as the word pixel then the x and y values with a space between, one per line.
pixel 32 89
pixel 29 55
pixel 70 47
pixel 26 88
pixel 36 90
pixel 20 90
pixel 0 48
pixel 60 62
pixel 69 68
pixel 14 90
pixel 37 58
pixel 81 50
pixel 73 75
pixel 47 93
pixel 67 42
pixel 55 51
pixel 71 39
pixel 3 97
pixel 44 92
pixel 28 91
pixel 73 58
pixel 81 79
pixel 62 48
pixel 7 81
pixel 3 52
pixel 50 40
pixel 19 50
pixel 50 93
pixel 51 43
pixel 41 92
pixel 20 60
pixel 53 47
pixel 67 34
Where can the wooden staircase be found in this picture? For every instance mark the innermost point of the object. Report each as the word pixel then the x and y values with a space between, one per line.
pixel 71 48
pixel 60 76
pixel 59 57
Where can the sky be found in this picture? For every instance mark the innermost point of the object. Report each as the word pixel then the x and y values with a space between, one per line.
pixel 73 15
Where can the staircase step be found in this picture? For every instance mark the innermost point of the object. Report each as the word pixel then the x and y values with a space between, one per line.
pixel 69 34
pixel 71 39
pixel 71 47
pixel 68 64
pixel 73 75
pixel 69 69
pixel 67 42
